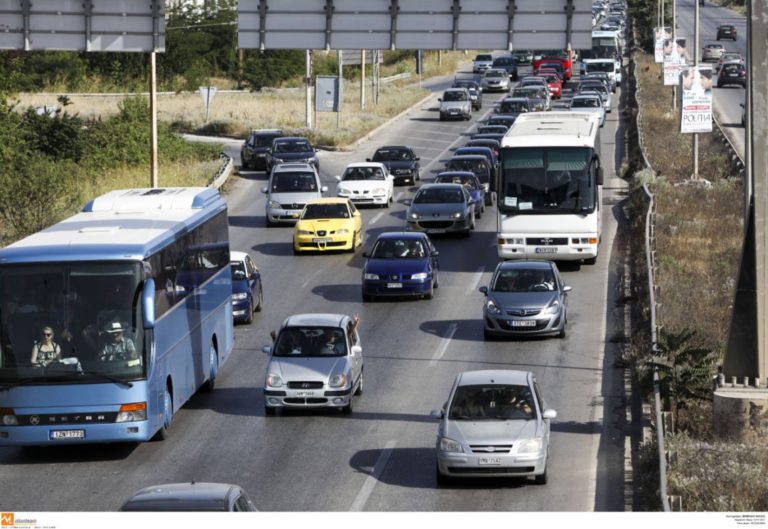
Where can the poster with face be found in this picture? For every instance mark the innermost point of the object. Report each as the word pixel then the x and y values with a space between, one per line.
pixel 660 35
pixel 675 56
pixel 696 99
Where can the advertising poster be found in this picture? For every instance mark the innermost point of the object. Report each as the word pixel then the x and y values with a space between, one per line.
pixel 696 96
pixel 675 55
pixel 660 35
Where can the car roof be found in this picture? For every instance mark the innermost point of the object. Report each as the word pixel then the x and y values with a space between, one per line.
pixel 494 376
pixel 482 148
pixel 525 264
pixel 441 186
pixel 367 164
pixel 317 319
pixel 182 496
pixel 469 156
pixel 291 138
pixel 402 235
pixel 455 173
pixel 237 256
pixel 267 131
pixel 394 147
pixel 328 200
pixel 294 167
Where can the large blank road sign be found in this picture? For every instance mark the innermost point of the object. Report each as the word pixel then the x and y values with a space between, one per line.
pixel 83 25
pixel 414 24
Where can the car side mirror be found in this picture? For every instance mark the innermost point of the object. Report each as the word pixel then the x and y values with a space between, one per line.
pixel 267 349
pixel 338 178
pixel 484 290
pixel 437 414
pixel 264 189
pixel 324 189
pixel 407 201
pixel 356 350
pixel 567 288
pixel 549 414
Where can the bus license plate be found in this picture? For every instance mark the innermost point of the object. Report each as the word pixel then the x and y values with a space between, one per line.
pixel 546 250
pixel 305 393
pixel 490 461
pixel 67 434
pixel 394 285
pixel 522 323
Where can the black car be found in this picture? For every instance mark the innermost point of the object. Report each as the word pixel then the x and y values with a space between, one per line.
pixel 507 63
pixel 292 149
pixel 482 169
pixel 494 145
pixel 255 150
pixel 493 129
pixel 726 31
pixel 401 161
pixel 732 73
pixel 514 106
pixel 502 119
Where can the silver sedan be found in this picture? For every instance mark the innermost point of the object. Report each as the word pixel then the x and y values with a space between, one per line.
pixel 495 423
pixel 441 208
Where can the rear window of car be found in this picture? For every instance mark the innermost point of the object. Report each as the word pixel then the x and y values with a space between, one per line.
pixel 265 140
pixel 391 154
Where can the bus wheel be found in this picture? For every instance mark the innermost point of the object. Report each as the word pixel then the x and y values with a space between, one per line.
pixel 164 431
pixel 213 361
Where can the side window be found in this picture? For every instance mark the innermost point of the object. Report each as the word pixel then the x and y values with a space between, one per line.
pixel 539 400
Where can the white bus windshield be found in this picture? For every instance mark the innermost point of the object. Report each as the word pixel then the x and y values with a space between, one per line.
pixel 547 180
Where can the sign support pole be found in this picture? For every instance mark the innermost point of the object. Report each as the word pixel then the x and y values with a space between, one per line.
pixel 362 79
pixel 696 65
pixel 341 92
pixel 153 119
pixel 308 83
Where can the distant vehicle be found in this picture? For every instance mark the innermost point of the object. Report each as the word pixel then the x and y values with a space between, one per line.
pixel 367 183
pixel 401 264
pixel 488 152
pixel 292 150
pixel 401 161
pixel 289 188
pixel 474 89
pixel 555 86
pixel 726 31
pixel 523 56
pixel 603 78
pixel 508 64
pixel 190 497
pixel 729 57
pixel 605 45
pixel 537 95
pixel 492 129
pixel 525 298
pixel 143 282
pixel 482 62
pixel 255 150
pixel 502 119
pixel 514 106
pixel 455 103
pixel 588 103
pixel 495 80
pixel 556 66
pixel 441 208
pixel 551 57
pixel 539 82
pixel 712 51
pixel 732 74
pixel 315 362
pixel 597 86
pixel 611 67
pixel 328 224
pixel 470 182
pixel 247 295
pixel 494 145
pixel 479 165
pixel 550 188
pixel 493 423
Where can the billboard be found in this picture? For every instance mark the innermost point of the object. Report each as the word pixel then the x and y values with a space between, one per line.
pixel 660 34
pixel 675 56
pixel 696 99
pixel 414 24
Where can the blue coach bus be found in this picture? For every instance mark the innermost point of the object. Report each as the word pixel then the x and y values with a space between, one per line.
pixel 112 319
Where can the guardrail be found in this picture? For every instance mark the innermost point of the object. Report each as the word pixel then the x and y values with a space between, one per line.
pixel 393 78
pixel 736 159
pixel 225 169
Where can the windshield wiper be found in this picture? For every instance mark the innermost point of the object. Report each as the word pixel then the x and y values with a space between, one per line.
pixel 95 374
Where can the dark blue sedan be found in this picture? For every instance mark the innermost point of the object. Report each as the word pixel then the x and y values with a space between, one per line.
pixel 468 180
pixel 247 296
pixel 400 264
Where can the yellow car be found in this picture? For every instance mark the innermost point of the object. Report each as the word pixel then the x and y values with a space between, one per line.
pixel 328 224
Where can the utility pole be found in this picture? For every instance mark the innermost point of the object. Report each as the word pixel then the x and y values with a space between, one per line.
pixel 674 38
pixel 153 119
pixel 696 65
pixel 362 79
pixel 341 92
pixel 308 83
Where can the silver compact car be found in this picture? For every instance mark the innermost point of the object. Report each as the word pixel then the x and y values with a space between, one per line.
pixel 188 497
pixel 441 208
pixel 290 187
pixel 525 298
pixel 455 103
pixel 315 362
pixel 495 80
pixel 495 423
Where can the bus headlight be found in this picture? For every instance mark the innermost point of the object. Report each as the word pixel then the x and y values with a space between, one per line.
pixel 9 417
pixel 136 411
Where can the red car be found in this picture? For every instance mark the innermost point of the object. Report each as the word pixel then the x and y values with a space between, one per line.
pixel 555 85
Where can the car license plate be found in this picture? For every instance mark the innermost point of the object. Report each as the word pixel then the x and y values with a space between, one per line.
pixel 489 461
pixel 318 240
pixel 436 230
pixel 305 393
pixel 522 323
pixel 394 285
pixel 67 434
pixel 546 250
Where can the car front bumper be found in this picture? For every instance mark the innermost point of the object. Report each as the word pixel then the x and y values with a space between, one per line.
pixel 315 398
pixel 240 309
pixel 303 243
pixel 397 287
pixel 437 226
pixel 366 198
pixel 539 325
pixel 462 465
pixel 283 216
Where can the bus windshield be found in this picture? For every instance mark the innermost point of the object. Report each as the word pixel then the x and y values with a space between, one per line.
pixel 547 180
pixel 71 323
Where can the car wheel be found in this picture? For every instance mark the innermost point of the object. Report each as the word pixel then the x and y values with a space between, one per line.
pixel 347 410
pixel 295 251
pixel 269 411
pixel 442 118
pixel 541 479
pixel 367 297
pixel 436 279
pixel 213 362
pixel 270 224
pixel 359 390
pixel 590 261
pixel 261 301
pixel 164 431
pixel 562 332
pixel 249 313
pixel 431 292
pixel 418 175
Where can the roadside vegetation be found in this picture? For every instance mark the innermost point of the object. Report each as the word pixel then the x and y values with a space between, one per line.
pixel 699 234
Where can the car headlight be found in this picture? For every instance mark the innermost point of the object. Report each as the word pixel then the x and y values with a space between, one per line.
pixel 274 381
pixel 274 204
pixel 240 295
pixel 342 231
pixel 457 215
pixel 414 216
pixel 371 277
pixel 277 160
pixel 553 307
pixel 531 446
pixel 343 190
pixel 379 191
pixel 492 308
pixel 420 275
pixel 338 381
pixel 449 445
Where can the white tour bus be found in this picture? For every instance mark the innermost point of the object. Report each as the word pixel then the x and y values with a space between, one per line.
pixel 550 188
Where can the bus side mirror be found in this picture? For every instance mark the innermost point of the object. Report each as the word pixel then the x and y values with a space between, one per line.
pixel 599 176
pixel 148 304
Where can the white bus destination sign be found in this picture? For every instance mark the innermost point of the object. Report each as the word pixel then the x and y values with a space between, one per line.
pixel 82 25
pixel 414 24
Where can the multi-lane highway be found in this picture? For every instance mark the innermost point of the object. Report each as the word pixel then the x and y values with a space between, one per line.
pixel 382 456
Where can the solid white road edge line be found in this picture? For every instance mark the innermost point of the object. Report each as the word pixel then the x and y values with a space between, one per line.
pixel 370 482
pixel 444 344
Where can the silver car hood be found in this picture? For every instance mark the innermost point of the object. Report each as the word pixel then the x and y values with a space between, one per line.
pixel 454 104
pixel 491 431
pixel 295 197
pixel 307 368
pixel 523 300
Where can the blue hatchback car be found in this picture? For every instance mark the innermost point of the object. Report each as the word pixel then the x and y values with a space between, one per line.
pixel 247 296
pixel 401 264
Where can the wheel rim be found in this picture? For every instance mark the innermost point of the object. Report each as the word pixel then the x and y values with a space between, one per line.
pixel 167 409
pixel 214 362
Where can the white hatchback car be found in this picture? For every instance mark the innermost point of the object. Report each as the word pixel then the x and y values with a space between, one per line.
pixel 494 424
pixel 367 183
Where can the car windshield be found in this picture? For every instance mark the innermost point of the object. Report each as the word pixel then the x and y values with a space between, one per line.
pixel 292 146
pixel 495 73
pixel 238 270
pixel 484 57
pixel 585 102
pixel 468 181
pixel 524 280
pixel 492 402
pixel 439 195
pixel 478 166
pixel 513 107
pixel 503 61
pixel 600 67
pixel 310 341
pixel 325 211
pixel 553 79
pixel 455 96
pixel 363 173
pixel 384 155
pixel 398 249
pixel 597 87
pixel 293 182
